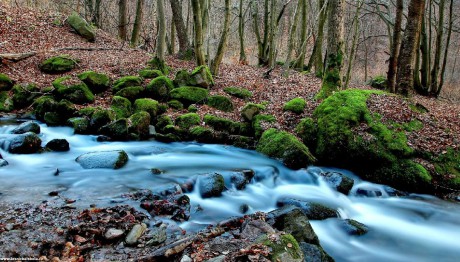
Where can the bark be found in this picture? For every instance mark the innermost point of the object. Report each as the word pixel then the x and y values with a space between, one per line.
pixel 354 43
pixel 303 36
pixel 137 22
pixel 292 32
pixel 122 21
pixel 272 35
pixel 172 49
pixel 161 39
pixel 316 58
pixel 446 50
pixel 199 54
pixel 241 15
pixel 97 13
pixel 405 74
pixel 223 41
pixel 255 20
pixel 394 57
pixel 425 60
pixel 437 55
pixel 179 24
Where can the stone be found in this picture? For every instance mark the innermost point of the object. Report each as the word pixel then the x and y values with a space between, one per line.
pixel 29 126
pixel 189 94
pixel 96 82
pixel 314 253
pixel 221 103
pixel 250 110
pixel 241 178
pixel 24 95
pixel 79 124
pixel 126 81
pixel 60 145
pixel 117 130
pixel 103 159
pixel 211 185
pixel 139 125
pixel 202 77
pixel 159 88
pixel 174 207
pixel 255 228
pixel 58 64
pixel 5 83
pixel 27 143
pixel 353 227
pixel 6 103
pixel 157 235
pixel 75 93
pixel 81 27
pixel 113 233
pixel 136 232
pixel 338 181
pixel 313 211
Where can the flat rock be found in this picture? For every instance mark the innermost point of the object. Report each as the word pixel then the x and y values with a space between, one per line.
pixel 29 126
pixel 103 159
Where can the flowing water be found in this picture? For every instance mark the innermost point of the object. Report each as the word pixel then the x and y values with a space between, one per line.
pixel 413 228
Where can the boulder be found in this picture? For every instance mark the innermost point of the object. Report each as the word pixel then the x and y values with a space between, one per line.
pixel 27 143
pixel 241 178
pixel 96 82
pixel 6 103
pixel 29 126
pixel 186 121
pixel 44 104
pixel 314 253
pixel 60 113
pixel 221 103
pixel 211 185
pixel 100 118
pixel 261 123
pixel 202 134
pixel 182 78
pixel 80 125
pixel 239 92
pixel 75 93
pixel 117 130
pixel 81 27
pixel 202 77
pixel 227 125
pixel 252 229
pixel 131 93
pixel 353 227
pixel 189 94
pixel 159 88
pixel 283 247
pixel 150 73
pixel 58 64
pixel 158 64
pixel 126 81
pixel 5 83
pixel 313 211
pixel 175 104
pixel 60 145
pixel 296 105
pixel 148 105
pixel 339 182
pixel 24 95
pixel 250 110
pixel 104 159
pixel 139 125
pixel 121 106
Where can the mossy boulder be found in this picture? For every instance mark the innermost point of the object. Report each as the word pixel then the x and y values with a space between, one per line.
pixel 211 185
pixel 126 81
pixel 159 88
pixel 162 122
pixel 283 247
pixel 148 105
pixel 5 83
pixel 27 143
pixel 100 118
pixel 57 145
pixel 239 92
pixel 121 106
pixel 379 82
pixel 96 82
pixel 188 120
pixel 296 105
pixel 42 105
pixel 202 77
pixel 81 27
pixel 117 130
pixel 6 103
pixel 250 110
pixel 182 78
pixel 139 125
pixel 132 92
pixel 175 104
pixel 75 93
pixel 261 123
pixel 80 125
pixel 60 114
pixel 227 125
pixel 58 64
pixel 150 73
pixel 307 130
pixel 286 148
pixel 28 126
pixel 189 94
pixel 221 103
pixel 202 134
pixel 447 164
pixel 158 64
pixel 192 109
pixel 24 95
pixel 103 159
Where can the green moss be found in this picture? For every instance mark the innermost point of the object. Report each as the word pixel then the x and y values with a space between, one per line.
pixel 182 78
pixel 117 130
pixel 201 76
pixel 150 73
pixel 148 105
pixel 307 130
pixel 188 120
pixel 77 93
pixel 239 92
pixel 413 125
pixel 189 95
pixel 79 124
pixel 101 117
pixel 227 125
pixel 159 88
pixel 131 93
pixel 81 26
pixel 448 166
pixel 192 109
pixel 418 108
pixel 250 110
pixel 5 83
pixel 285 244
pixel 379 82
pixel 87 111
pixel 202 134
pixel 162 122
pixel 126 81
pixel 285 147
pixel 176 104
pixel 121 106
pixel 404 174
pixel 122 159
pixel 42 105
pixel 296 105
pixel 6 103
pixel 157 64
pixel 222 103
pixel 331 80
pixel 258 124
pixel 24 95
pixel 58 64
pixel 60 113
pixel 139 124
pixel 96 82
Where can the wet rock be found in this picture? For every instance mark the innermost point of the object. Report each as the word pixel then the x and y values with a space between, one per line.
pixel 113 233
pixel 157 235
pixel 186 258
pixel 313 211
pixel 241 178
pixel 211 185
pixel 283 247
pixel 353 227
pixel 339 182
pixel 29 126
pixel 28 143
pixel 164 191
pixel 377 191
pixel 136 232
pixel 216 259
pixel 80 125
pixel 117 130
pixel 252 229
pixel 3 162
pixel 103 159
pixel 60 145
pixel 314 253
pixel 175 207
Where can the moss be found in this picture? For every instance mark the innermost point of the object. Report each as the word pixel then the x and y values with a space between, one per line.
pixel 296 105
pixel 285 147
pixel 126 81
pixel 81 26
pixel 284 244
pixel 159 88
pixel 96 82
pixel 331 80
pixel 201 76
pixel 24 95
pixel 188 120
pixel 150 73
pixel 77 93
pixel 60 113
pixel 157 64
pixel 307 130
pixel 227 125
pixel 258 124
pixel 58 64
pixel 222 103
pixel 5 83
pixel 448 166
pixel 139 124
pixel 192 109
pixel 121 106
pixel 148 105
pixel 405 175
pixel 202 134
pixel 418 108
pixel 117 130
pixel 182 78
pixel 131 93
pixel 245 142
pixel 42 105
pixel 162 122
pixel 413 125
pixel 189 95
pixel 6 103
pixel 175 104
pixel 379 82
pixel 250 110
pixel 101 117
pixel 79 124
pixel 87 111
pixel 239 92
pixel 121 160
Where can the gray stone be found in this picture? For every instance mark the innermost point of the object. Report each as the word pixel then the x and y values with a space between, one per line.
pixel 81 27
pixel 338 181
pixel 313 211
pixel 353 227
pixel 29 126
pixel 27 143
pixel 254 228
pixel 60 145
pixel 136 232
pixel 211 185
pixel 113 233
pixel 158 235
pixel 103 159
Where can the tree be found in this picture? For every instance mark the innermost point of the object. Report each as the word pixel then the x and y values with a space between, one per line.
pixel 198 40
pixel 301 50
pixel 316 58
pixel 176 8
pixel 137 22
pixel 394 57
pixel 408 49
pixel 292 32
pixel 122 21
pixel 223 41
pixel 161 39
pixel 241 16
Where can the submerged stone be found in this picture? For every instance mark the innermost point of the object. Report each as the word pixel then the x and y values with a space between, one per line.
pixel 29 126
pixel 104 159
pixel 60 145
pixel 211 185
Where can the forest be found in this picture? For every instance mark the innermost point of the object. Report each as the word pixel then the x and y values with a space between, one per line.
pixel 229 130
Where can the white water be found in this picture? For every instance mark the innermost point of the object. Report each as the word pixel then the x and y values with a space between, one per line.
pixel 416 228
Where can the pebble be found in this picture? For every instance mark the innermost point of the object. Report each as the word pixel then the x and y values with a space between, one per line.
pixel 186 258
pixel 158 235
pixel 113 233
pixel 135 233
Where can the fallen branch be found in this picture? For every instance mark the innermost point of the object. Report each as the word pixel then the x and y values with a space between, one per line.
pixel 17 57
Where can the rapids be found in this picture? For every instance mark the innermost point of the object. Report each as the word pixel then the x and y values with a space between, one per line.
pixel 413 228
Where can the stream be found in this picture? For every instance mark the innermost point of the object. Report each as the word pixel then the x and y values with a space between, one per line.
pixel 412 228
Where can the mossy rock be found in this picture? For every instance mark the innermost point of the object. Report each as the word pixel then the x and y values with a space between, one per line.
pixel 175 104
pixel 307 130
pixel 286 148
pixel 100 118
pixel 159 88
pixel 6 103
pixel 162 122
pixel 245 142
pixel 150 73
pixel 201 76
pixel 447 165
pixel 24 95
pixel 126 81
pixel 158 64
pixel 96 82
pixel 80 125
pixel 27 143
pixel 202 134
pixel 296 105
pixel 131 93
pixel 121 106
pixel 227 125
pixel 148 105
pixel 59 115
pixel 189 94
pixel 282 248
pixel 117 130
pixel 250 110
pixel 77 93
pixel 139 124
pixel 81 27
pixel 379 82
pixel 182 78
pixel 192 109
pixel 87 111
pixel 221 103
pixel 211 185
pixel 103 159
pixel 239 92
pixel 58 64
pixel 188 120
pixel 260 123
pixel 42 105
pixel 5 83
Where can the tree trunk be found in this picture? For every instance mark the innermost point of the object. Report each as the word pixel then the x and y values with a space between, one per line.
pixel 405 74
pixel 89 10
pixel 355 42
pixel 181 30
pixel 394 57
pixel 446 50
pixel 223 41
pixel 272 35
pixel 255 20
pixel 122 21
pixel 199 55
pixel 137 23
pixel 332 80
pixel 303 36
pixel 97 13
pixel 161 40
pixel 424 70
pixel 316 58
pixel 292 32
pixel 241 15
pixel 437 54
pixel 204 6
